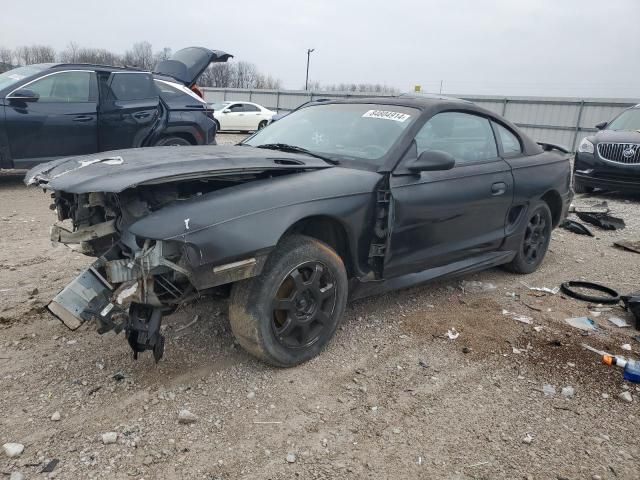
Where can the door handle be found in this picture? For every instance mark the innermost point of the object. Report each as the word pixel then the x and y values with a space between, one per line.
pixel 498 188
pixel 141 115
pixel 83 118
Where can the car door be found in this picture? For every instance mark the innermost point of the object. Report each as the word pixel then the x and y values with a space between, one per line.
pixel 440 217
pixel 52 116
pixel 233 117
pixel 253 116
pixel 129 111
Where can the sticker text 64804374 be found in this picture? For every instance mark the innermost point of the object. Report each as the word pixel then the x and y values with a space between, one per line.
pixel 387 115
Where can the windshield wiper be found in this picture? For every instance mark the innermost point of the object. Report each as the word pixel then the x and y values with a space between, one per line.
pixel 284 147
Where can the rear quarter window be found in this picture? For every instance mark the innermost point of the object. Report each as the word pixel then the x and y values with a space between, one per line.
pixel 132 86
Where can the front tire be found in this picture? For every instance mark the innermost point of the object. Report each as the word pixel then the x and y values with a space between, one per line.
pixel 535 241
pixel 287 314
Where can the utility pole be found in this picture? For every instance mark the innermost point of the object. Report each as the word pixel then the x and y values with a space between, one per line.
pixel 441 87
pixel 306 82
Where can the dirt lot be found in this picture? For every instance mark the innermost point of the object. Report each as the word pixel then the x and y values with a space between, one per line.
pixel 392 396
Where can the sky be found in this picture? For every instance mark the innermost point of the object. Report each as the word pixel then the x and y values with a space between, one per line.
pixel 576 48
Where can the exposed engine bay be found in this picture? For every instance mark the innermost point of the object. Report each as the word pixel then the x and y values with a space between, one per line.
pixel 135 280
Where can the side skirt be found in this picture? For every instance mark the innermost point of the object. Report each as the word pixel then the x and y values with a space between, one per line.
pixel 462 267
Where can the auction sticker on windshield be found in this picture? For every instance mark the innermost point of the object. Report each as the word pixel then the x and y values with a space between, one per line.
pixel 387 115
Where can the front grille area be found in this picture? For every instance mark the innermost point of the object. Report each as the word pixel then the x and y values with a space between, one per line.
pixel 626 153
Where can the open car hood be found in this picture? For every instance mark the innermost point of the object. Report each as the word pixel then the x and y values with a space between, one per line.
pixel 187 65
pixel 119 170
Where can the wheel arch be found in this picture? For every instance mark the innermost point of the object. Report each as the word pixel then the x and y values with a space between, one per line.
pixel 328 230
pixel 554 201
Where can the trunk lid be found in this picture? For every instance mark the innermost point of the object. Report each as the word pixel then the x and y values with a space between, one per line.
pixel 187 65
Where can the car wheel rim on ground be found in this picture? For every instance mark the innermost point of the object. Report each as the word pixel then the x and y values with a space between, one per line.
pixel 535 238
pixel 303 305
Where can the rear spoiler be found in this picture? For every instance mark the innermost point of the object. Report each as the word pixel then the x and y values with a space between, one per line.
pixel 547 147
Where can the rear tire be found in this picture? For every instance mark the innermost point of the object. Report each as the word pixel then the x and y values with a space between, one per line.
pixel 287 314
pixel 173 141
pixel 535 240
pixel 580 187
pixel 262 124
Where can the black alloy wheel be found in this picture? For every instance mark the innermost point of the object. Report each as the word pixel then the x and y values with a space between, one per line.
pixel 303 305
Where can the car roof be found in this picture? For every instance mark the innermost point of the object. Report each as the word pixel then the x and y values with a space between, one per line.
pixel 404 100
pixel 109 68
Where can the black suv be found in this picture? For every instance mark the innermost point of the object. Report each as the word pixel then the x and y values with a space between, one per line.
pixel 610 159
pixel 53 110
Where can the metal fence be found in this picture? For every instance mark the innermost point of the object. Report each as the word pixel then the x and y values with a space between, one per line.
pixel 562 121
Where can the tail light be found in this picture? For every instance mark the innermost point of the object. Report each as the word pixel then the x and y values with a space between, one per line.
pixel 197 91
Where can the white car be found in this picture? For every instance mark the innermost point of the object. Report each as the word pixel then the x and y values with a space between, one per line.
pixel 243 116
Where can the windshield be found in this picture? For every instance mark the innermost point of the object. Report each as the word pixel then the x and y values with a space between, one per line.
pixel 359 131
pixel 220 106
pixel 14 76
pixel 627 120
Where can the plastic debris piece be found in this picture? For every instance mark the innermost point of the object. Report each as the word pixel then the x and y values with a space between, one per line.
pixel 453 334
pixel 602 220
pixel 630 245
pixel 626 347
pixel 583 323
pixel 475 286
pixel 576 227
pixel 548 390
pixel 568 392
pixel 618 322
pixel 517 317
pixel 552 291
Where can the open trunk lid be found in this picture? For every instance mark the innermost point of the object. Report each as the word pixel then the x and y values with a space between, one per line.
pixel 187 65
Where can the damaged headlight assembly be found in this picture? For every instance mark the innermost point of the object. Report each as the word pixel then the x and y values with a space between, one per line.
pixel 586 146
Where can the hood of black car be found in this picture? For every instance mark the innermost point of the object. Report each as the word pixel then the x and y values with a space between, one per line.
pixel 119 170
pixel 187 65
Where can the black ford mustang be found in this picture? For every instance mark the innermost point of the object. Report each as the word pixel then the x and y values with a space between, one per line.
pixel 338 199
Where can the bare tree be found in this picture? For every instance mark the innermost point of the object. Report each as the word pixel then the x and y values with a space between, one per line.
pixel 163 54
pixel 6 59
pixel 141 56
pixel 70 54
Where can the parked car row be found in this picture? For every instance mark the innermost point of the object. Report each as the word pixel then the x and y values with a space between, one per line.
pixel 54 110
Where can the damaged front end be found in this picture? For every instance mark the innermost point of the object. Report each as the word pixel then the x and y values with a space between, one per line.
pixel 133 281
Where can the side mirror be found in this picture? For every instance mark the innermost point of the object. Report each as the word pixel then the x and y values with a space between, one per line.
pixel 24 95
pixel 601 125
pixel 432 160
pixel 226 110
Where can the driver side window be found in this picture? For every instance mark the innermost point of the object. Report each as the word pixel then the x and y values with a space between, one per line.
pixel 236 107
pixel 468 138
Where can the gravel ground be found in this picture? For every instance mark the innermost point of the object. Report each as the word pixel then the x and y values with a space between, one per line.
pixel 391 397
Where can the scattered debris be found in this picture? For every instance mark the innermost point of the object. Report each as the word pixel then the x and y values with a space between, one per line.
pixel 475 286
pixel 632 304
pixel 618 322
pixel 517 317
pixel 626 346
pixel 291 458
pixel 552 291
pixel 453 334
pixel 576 227
pixel 527 439
pixel 625 397
pixel 109 438
pixel 251 395
pixel 13 449
pixel 55 417
pixel 569 288
pixel 17 476
pixel 50 467
pixel 118 376
pixel 568 392
pixel 583 323
pixel 190 324
pixel 631 245
pixel 538 328
pixel 548 390
pixel 423 364
pixel 466 349
pixel 185 417
pixel 602 220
